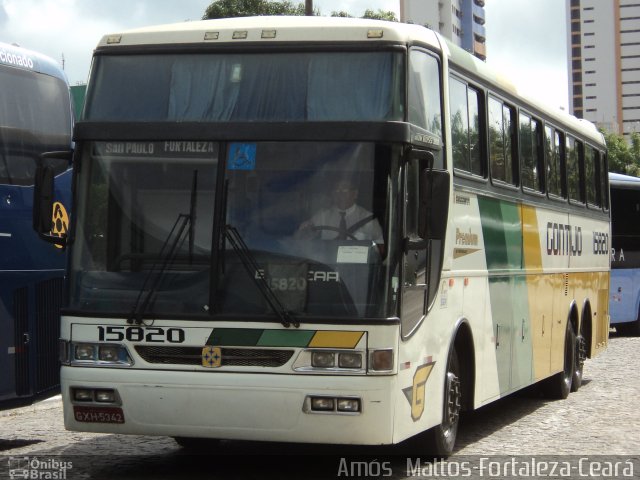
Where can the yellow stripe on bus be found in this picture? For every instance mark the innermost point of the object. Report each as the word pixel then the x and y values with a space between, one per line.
pixel 531 240
pixel 335 339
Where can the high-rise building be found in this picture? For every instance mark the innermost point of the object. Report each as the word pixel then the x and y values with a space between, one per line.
pixel 604 63
pixel 461 21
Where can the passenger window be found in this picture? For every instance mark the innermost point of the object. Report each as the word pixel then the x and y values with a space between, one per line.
pixel 531 153
pixel 501 142
pixel 592 173
pixel 465 127
pixel 553 148
pixel 574 169
pixel 424 92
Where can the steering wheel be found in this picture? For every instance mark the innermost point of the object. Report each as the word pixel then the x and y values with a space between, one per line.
pixel 318 228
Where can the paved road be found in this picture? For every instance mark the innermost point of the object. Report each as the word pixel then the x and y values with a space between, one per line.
pixel 602 418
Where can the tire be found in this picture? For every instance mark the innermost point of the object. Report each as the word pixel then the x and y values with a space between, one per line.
pixel 441 439
pixel 559 386
pixel 580 358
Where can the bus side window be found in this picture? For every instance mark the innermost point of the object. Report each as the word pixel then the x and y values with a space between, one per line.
pixel 553 147
pixel 465 127
pixel 501 141
pixel 604 181
pixel 574 169
pixel 592 174
pixel 531 153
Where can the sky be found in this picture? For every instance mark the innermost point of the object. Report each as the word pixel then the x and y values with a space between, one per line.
pixel 526 40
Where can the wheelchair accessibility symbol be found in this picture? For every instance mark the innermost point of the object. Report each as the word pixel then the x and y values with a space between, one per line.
pixel 242 156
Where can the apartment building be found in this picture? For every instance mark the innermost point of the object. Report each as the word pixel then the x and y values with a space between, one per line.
pixel 604 63
pixel 461 21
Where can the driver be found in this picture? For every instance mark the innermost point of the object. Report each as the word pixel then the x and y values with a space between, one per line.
pixel 344 220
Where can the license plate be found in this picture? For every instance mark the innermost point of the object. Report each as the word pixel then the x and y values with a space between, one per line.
pixel 98 414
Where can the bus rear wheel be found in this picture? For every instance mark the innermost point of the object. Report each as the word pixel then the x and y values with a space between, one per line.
pixel 580 358
pixel 559 386
pixel 442 438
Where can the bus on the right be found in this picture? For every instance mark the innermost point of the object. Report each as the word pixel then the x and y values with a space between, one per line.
pixel 624 305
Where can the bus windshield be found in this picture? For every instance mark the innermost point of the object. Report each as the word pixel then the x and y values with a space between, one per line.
pixel 243 87
pixel 314 223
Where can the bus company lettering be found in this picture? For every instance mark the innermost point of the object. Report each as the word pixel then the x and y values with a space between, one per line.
pixel 466 238
pixel 617 256
pixel 189 147
pixel 16 59
pixel 564 239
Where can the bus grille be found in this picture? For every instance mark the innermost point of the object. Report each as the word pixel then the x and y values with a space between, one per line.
pixel 231 357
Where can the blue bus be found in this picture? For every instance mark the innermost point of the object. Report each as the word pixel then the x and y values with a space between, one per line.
pixel 625 254
pixel 35 118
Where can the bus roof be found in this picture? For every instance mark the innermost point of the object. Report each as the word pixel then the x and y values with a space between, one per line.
pixel 492 77
pixel 623 181
pixel 263 29
pixel 273 29
pixel 18 57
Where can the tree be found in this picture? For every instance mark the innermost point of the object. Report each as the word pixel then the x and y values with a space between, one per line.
pixel 248 8
pixel 623 157
pixel 380 15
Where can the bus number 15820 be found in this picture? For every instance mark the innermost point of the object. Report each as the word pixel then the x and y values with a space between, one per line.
pixel 114 333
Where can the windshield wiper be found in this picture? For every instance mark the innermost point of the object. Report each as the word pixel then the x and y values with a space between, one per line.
pixel 139 308
pixel 167 257
pixel 253 270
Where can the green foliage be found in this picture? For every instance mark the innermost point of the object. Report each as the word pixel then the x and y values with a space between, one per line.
pixel 248 8
pixel 380 15
pixel 623 158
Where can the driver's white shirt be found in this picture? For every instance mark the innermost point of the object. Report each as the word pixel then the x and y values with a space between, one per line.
pixel 331 217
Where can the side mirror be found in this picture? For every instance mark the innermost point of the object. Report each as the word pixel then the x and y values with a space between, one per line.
pixel 434 204
pixel 43 193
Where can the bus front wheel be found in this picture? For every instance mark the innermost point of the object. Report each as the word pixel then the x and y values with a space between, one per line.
pixel 442 438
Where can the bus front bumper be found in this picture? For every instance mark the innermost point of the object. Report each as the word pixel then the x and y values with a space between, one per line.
pixel 261 407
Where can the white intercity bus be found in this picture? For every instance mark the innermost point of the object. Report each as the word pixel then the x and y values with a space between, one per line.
pixel 212 296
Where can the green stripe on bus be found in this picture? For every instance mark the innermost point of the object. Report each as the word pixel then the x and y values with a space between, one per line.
pixel 502 233
pixel 237 337
pixel 248 337
pixel 286 338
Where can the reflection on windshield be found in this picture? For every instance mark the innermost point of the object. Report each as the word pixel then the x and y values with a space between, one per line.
pixel 315 221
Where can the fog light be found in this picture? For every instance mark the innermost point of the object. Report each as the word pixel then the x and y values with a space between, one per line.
pixel 82 395
pixel 382 360
pixel 349 405
pixel 108 353
pixel 323 404
pixel 323 359
pixel 85 351
pixel 105 396
pixel 350 360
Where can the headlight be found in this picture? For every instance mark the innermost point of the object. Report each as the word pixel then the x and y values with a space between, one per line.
pixel 84 351
pixel 350 360
pixel 109 353
pixel 322 359
pixel 99 354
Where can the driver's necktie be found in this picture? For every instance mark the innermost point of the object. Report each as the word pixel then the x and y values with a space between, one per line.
pixel 342 235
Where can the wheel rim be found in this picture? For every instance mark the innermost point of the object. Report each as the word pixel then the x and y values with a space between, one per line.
pixel 453 405
pixel 569 358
